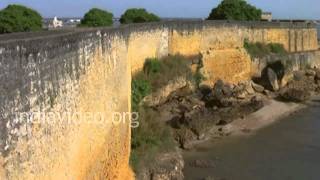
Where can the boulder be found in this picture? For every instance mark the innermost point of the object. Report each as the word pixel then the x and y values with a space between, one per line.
pixel 311 72
pixel 167 166
pixel 185 137
pixel 298 75
pixel 222 90
pixel 248 87
pixel 273 80
pixel 256 103
pixel 258 88
pixel 295 95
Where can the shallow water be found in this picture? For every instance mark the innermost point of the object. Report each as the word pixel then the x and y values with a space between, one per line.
pixel 286 150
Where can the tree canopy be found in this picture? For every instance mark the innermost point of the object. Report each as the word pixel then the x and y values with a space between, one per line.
pixel 235 10
pixel 97 18
pixel 17 18
pixel 138 15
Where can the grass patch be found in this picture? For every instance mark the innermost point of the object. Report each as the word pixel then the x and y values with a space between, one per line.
pixel 259 49
pixel 151 137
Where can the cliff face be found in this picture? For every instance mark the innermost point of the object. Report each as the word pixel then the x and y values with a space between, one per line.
pixel 65 96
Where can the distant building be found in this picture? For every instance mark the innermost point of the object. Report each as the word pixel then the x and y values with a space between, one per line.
pixel 266 16
pixel 56 23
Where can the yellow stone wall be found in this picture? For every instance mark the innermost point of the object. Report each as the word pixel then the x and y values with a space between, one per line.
pixel 90 141
pixel 147 44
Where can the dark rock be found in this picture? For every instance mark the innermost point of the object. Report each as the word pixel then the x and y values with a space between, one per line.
pixel 222 90
pixel 273 80
pixel 227 102
pixel 296 95
pixel 256 103
pixel 167 166
pixel 205 90
pixel 227 90
pixel 185 137
pixel 222 122
pixel 317 76
pixel 258 88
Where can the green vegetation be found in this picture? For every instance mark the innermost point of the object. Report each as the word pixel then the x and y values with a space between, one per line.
pixel 138 15
pixel 152 135
pixel 156 74
pixel 259 49
pixel 235 10
pixel 17 18
pixel 97 18
pixel 198 76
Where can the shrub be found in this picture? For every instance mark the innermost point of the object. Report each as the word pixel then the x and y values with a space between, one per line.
pixel 140 88
pixel 235 10
pixel 277 48
pixel 97 18
pixel 17 18
pixel 259 49
pixel 136 15
pixel 152 66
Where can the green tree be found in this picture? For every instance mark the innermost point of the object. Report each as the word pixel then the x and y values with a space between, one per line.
pixel 136 15
pixel 235 10
pixel 17 18
pixel 97 18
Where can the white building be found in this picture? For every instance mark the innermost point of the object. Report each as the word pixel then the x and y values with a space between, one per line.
pixel 266 16
pixel 56 23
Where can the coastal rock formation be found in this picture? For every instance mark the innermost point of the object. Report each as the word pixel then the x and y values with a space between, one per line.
pixel 167 166
pixel 302 87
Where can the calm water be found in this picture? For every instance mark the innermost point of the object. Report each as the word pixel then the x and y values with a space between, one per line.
pixel 287 150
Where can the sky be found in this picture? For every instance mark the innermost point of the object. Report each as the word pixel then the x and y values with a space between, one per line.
pixel 281 9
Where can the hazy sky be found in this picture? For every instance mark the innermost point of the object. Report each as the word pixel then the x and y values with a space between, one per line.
pixel 305 9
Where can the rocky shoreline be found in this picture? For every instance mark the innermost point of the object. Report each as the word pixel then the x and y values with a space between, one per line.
pixel 197 115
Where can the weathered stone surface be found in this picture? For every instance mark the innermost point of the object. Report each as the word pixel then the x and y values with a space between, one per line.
pixel 298 75
pixel 317 76
pixel 273 80
pixel 258 88
pixel 296 95
pixel 162 94
pixel 310 72
pixel 167 166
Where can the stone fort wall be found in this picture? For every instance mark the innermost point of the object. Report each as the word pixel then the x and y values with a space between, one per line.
pixel 84 76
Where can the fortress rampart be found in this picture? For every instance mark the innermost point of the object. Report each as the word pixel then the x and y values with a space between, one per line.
pixel 87 73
